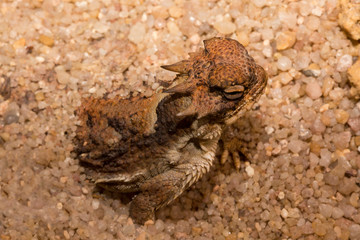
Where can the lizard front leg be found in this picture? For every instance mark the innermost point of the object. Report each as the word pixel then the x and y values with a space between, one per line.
pixel 232 147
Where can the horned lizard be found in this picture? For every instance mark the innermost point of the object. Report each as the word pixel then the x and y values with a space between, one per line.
pixel 159 146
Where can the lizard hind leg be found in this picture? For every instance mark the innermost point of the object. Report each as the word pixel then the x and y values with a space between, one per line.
pixel 163 188
pixel 155 192
pixel 160 190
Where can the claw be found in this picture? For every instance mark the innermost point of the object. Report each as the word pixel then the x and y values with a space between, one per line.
pixel 235 157
pixel 236 160
pixel 224 156
pixel 180 67
pixel 211 135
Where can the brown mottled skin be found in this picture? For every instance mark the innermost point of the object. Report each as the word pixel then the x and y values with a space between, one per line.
pixel 159 146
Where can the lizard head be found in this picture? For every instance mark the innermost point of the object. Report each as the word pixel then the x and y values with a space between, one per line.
pixel 222 79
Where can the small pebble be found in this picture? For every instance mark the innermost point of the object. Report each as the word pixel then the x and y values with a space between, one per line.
pixel 196 231
pixel 159 225
pixel 281 195
pixel 11 116
pixel 173 28
pixel 328 118
pixel 312 22
pixel 225 27
pixel 337 213
pixel 66 234
pixel 349 18
pixel 319 228
pixel 137 33
pixel 243 38
pixel 313 90
pixel 326 210
pixel 176 12
pixel 324 108
pixel 325 157
pixel 259 3
pixel 12 113
pixel 269 130
pixel 4 106
pixel 301 61
pixel 285 78
pixel 257 226
pixel 327 86
pixel 63 179
pixel 62 76
pixel 341 116
pixel 354 123
pixel 305 8
pixel 284 63
pixel 354 230
pixel 342 140
pixel 317 11
pixel 59 205
pixel 129 228
pixel 348 186
pixel 20 43
pixel 95 204
pixel 250 171
pixel 46 40
pixel 295 145
pixel 354 199
pixel 312 71
pixel 195 39
pixel 344 63
pixel 305 134
pixel 353 74
pixel 285 40
pixel 284 213
pixel 84 190
pixel 357 140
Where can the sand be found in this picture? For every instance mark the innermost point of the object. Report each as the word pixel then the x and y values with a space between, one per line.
pixel 302 181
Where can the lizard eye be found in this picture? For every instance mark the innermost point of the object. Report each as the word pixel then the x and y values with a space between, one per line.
pixel 234 92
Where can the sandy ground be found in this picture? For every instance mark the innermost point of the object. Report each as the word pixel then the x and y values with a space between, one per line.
pixel 303 135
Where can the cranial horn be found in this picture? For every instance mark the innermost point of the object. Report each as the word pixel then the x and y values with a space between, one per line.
pixel 192 54
pixel 188 112
pixel 184 87
pixel 207 43
pixel 180 67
